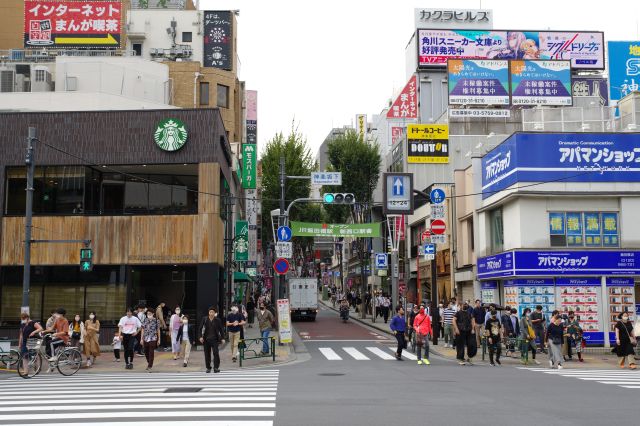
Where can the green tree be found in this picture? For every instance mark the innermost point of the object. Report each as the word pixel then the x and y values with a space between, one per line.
pixel 298 162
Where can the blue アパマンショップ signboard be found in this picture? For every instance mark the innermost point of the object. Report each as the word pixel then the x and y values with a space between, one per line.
pixel 585 50
pixel 559 263
pixel 570 157
pixel 624 68
pixel 541 83
pixel 478 82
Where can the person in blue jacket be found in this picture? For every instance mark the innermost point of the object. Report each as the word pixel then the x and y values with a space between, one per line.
pixel 399 327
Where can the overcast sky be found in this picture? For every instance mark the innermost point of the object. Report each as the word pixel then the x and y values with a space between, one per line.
pixel 323 62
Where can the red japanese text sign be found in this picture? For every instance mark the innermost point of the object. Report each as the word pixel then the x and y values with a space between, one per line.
pixel 406 104
pixel 72 24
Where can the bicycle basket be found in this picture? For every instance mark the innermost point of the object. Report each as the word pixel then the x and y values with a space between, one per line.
pixel 34 343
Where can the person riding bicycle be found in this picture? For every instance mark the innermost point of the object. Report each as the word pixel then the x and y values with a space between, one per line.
pixel 59 333
pixel 344 309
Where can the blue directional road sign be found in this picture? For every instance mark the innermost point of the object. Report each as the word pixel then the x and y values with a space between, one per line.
pixel 284 233
pixel 429 249
pixel 381 261
pixel 437 196
pixel 398 193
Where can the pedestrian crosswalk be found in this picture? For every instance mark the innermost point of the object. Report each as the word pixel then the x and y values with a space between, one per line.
pixel 623 378
pixel 235 398
pixel 363 354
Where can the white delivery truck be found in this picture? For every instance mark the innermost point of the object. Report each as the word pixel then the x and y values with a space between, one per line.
pixel 303 298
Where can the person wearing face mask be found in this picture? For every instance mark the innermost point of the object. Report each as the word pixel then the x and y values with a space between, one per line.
pixel 235 321
pixel 186 337
pixel 422 328
pixel 528 337
pixel 175 323
pixel 493 331
pixel 91 345
pixel 150 337
pixel 28 329
pixel 625 339
pixel 265 322
pixel 76 332
pixel 554 337
pixel 464 330
pixel 129 326
pixel 211 335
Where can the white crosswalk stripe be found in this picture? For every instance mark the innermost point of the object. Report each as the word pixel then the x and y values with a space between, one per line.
pixel 235 398
pixel 336 354
pixel 380 352
pixel 356 354
pixel 330 354
pixel 623 378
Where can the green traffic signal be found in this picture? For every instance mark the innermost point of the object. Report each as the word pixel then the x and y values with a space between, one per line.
pixel 338 198
pixel 328 198
pixel 86 260
pixel 85 266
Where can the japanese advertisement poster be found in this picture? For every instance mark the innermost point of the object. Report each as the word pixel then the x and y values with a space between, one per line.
pixel 585 50
pixel 72 24
pixel 284 321
pixel 488 291
pixel 528 293
pixel 541 83
pixel 589 86
pixel 428 143
pixel 478 82
pixel 406 104
pixel 621 299
pixel 251 98
pixel 580 295
pixel 241 242
pixel 218 40
pixel 624 68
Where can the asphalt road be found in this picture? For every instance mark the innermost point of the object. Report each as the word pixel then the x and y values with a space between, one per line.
pixel 375 391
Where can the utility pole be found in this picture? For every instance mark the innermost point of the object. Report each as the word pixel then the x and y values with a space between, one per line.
pixel 281 219
pixel 31 167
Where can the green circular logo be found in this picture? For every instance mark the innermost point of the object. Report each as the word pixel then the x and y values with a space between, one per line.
pixel 171 134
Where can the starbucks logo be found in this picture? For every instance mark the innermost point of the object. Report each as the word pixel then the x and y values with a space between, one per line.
pixel 170 135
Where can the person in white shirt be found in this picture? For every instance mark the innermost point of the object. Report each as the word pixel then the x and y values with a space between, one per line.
pixel 129 327
pixel 175 323
pixel 186 337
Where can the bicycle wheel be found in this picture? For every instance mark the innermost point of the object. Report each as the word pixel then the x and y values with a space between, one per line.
pixel 10 360
pixel 29 364
pixel 69 362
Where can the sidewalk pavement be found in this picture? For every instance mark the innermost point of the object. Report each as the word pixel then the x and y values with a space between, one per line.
pixel 596 358
pixel 164 362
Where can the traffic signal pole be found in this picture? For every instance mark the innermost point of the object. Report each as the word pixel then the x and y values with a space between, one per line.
pixel 26 272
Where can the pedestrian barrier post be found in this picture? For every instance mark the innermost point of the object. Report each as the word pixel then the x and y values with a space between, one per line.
pixel 251 346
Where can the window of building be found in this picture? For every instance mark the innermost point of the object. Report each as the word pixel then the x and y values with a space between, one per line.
pixel 137 48
pixel 187 37
pixel 40 75
pixel 497 231
pixel 204 93
pixel 223 96
pixel 584 229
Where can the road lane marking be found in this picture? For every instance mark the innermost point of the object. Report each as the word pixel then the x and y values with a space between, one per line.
pixel 406 354
pixel 330 354
pixel 379 352
pixel 356 354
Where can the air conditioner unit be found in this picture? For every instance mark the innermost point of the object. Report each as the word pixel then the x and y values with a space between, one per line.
pixel 7 80
pixel 72 84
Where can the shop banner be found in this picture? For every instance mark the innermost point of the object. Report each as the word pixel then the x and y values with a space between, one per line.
pixel 251 98
pixel 361 230
pixel 249 163
pixel 586 86
pixel 570 157
pixel 284 321
pixel 478 82
pixel 541 83
pixel 406 104
pixel 218 40
pixel 585 50
pixel 361 126
pixel 488 291
pixel 556 224
pixel 397 134
pixel 428 143
pixel 241 242
pixel 582 296
pixel 621 298
pixel 72 24
pixel 560 263
pixel 624 68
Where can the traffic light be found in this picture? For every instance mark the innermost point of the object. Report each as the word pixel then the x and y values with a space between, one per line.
pixel 338 198
pixel 86 260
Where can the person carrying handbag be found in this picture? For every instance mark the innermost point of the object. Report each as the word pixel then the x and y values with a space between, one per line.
pixel 422 328
pixel 625 341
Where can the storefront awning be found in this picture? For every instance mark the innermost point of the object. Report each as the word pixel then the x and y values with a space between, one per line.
pixel 241 277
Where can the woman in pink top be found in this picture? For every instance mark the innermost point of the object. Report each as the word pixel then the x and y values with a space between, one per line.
pixel 422 326
pixel 175 323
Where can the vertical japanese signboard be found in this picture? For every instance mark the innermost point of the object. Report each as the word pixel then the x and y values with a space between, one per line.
pixel 72 24
pixel 251 97
pixel 585 50
pixel 541 83
pixel 624 68
pixel 478 82
pixel 241 242
pixel 361 126
pixel 249 162
pixel 218 40
pixel 397 134
pixel 284 320
pixel 406 104
pixel 428 143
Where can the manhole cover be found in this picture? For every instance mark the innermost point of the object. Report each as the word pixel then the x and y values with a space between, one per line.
pixel 182 390
pixel 331 374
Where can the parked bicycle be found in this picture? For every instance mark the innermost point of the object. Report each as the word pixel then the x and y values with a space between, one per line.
pixel 8 357
pixel 66 359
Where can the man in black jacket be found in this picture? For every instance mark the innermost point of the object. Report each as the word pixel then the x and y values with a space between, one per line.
pixel 211 335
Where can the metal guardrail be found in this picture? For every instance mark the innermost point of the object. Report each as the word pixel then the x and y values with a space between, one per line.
pixel 50 55
pixel 253 345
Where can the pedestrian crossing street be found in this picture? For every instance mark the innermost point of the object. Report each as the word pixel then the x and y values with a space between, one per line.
pixel 367 353
pixel 233 398
pixel 624 378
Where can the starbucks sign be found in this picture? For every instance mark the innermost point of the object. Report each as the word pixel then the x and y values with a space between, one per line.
pixel 170 134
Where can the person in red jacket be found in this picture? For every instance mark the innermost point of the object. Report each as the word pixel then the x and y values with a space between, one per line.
pixel 422 328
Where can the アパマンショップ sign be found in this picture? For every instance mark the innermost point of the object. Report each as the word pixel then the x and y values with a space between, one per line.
pixel 72 24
